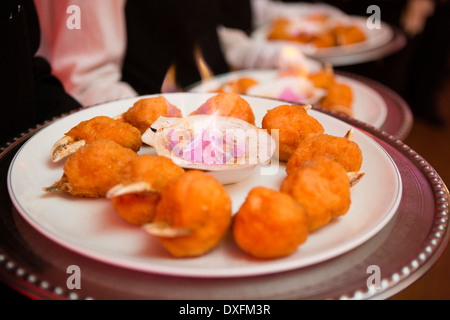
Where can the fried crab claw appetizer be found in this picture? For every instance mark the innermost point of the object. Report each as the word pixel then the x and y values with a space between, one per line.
pixel 146 111
pixel 227 148
pixel 138 193
pixel 348 34
pixel 322 187
pixel 341 149
pixel 289 125
pixel 323 78
pixel 93 169
pixel 193 215
pixel 338 97
pixel 227 104
pixel 97 128
pixel 239 86
pixel 270 224
pixel 280 30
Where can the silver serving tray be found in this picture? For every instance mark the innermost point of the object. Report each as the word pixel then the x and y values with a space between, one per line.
pixel 403 251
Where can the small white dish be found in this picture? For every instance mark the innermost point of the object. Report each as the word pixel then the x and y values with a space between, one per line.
pixel 368 105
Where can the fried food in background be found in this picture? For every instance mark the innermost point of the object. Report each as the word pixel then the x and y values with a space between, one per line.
pixel 322 32
pixel 323 40
pixel 227 104
pixel 280 30
pixel 341 149
pixel 93 169
pixel 137 205
pixel 146 111
pixel 345 35
pixel 339 98
pixel 270 224
pixel 322 187
pixel 324 78
pixel 239 86
pixel 293 124
pixel 199 204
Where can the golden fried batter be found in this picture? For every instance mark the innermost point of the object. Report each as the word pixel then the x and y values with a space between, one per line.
pixel 239 86
pixel 294 125
pixel 227 104
pixel 155 170
pixel 340 149
pixel 94 169
pixel 280 30
pixel 323 78
pixel 329 36
pixel 137 208
pixel 346 35
pixel 146 111
pixel 322 187
pixel 338 94
pixel 270 224
pixel 102 127
pixel 198 203
pixel 140 207
pixel 324 40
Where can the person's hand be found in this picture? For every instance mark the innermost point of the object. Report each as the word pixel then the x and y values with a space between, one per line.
pixel 243 52
pixel 415 16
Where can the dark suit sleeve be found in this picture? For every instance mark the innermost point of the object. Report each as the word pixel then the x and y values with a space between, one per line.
pixel 51 97
pixel 30 94
pixel 237 14
pixel 18 110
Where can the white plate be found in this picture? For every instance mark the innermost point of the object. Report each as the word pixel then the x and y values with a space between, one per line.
pixel 375 38
pixel 91 227
pixel 368 105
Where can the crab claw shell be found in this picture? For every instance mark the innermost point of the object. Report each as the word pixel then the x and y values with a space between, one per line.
pixel 120 117
pixel 135 187
pixel 355 178
pixel 60 186
pixel 53 188
pixel 161 229
pixel 307 107
pixel 65 147
pixel 350 134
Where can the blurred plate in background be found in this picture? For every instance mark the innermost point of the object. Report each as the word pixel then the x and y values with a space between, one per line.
pixel 368 105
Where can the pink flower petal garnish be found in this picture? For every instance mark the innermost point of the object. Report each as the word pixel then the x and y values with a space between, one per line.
pixel 289 95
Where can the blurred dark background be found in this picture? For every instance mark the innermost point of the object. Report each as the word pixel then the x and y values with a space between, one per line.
pixel 420 71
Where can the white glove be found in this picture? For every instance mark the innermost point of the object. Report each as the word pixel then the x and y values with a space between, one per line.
pixel 243 52
pixel 415 16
